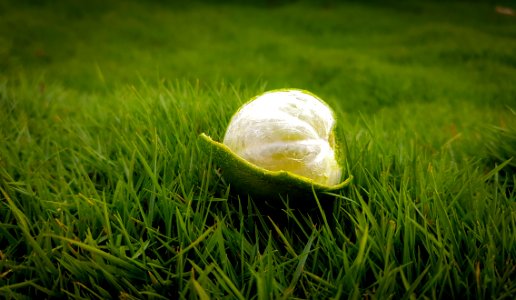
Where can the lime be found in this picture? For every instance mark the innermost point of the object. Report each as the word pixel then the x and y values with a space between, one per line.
pixel 280 142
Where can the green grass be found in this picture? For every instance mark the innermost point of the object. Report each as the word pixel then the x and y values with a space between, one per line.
pixel 105 191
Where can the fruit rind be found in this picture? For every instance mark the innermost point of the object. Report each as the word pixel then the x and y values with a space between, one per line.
pixel 258 181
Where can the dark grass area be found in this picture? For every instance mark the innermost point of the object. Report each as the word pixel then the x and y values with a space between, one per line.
pixel 376 55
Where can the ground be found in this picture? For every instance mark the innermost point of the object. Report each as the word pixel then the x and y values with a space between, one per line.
pixel 106 192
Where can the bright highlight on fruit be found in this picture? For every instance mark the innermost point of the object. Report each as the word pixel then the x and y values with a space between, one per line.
pixel 280 142
pixel 288 130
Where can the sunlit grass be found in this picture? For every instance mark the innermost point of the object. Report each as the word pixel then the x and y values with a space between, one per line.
pixel 106 192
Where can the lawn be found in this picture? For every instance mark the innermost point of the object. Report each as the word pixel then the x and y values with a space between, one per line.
pixel 107 192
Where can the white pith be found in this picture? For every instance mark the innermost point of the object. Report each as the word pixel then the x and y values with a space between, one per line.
pixel 286 130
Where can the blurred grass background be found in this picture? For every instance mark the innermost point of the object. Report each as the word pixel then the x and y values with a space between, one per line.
pixel 106 194
pixel 366 56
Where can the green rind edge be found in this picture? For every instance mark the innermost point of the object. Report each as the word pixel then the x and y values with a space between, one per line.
pixel 258 180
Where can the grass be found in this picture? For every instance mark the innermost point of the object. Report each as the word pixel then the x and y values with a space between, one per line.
pixel 105 192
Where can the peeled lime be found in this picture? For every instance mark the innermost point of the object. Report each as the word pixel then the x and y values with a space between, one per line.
pixel 280 142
